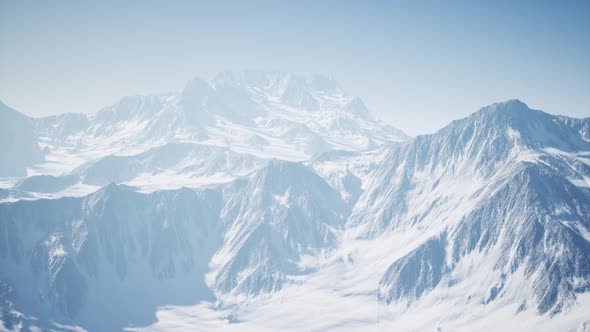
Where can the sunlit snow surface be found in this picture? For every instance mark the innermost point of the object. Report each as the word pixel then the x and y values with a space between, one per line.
pixel 264 201
pixel 341 297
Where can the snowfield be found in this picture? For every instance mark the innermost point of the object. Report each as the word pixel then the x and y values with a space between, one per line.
pixel 265 201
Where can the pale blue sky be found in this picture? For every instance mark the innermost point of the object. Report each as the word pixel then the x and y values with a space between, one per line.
pixel 417 64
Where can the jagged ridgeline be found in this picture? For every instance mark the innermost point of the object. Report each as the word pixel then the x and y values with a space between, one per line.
pixel 204 208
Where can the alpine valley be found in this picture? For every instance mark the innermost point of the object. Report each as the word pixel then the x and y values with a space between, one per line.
pixel 271 201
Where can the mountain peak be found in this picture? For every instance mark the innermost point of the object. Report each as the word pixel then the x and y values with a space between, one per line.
pixel 510 104
pixel 500 126
pixel 268 79
pixel 510 112
pixel 512 108
pixel 301 91
pixel 246 78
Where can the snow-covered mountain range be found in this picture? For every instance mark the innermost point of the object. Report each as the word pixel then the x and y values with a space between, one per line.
pixel 275 201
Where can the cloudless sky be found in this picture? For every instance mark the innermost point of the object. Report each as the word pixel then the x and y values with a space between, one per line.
pixel 416 64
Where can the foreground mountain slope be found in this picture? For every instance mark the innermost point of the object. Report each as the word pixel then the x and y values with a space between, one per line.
pixel 505 185
pixel 273 218
pixel 71 258
pixel 65 259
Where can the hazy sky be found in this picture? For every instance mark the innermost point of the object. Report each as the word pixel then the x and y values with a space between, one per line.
pixel 417 64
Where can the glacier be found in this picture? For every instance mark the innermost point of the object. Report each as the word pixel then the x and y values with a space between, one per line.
pixel 263 200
